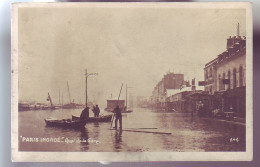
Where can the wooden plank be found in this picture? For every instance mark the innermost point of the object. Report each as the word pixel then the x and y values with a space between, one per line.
pixel 141 128
pixel 142 131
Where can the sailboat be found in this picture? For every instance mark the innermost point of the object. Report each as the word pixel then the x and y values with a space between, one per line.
pixel 70 105
pixel 126 110
pixel 49 99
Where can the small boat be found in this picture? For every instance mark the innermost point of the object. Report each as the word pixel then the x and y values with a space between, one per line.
pixel 106 118
pixel 122 111
pixel 127 111
pixel 65 123
pixel 23 107
pixel 109 109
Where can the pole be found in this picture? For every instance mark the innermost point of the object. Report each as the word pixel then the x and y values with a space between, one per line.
pixel 88 74
pixel 192 115
pixel 238 29
pixel 119 94
pixel 86 87
pixel 126 97
pixel 59 96
pixel 68 90
pixel 117 104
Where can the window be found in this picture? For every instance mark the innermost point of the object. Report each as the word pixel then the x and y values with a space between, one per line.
pixel 240 76
pixel 234 78
pixel 219 82
pixel 229 77
pixel 223 77
pixel 210 72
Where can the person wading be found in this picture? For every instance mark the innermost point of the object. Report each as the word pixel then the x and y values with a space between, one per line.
pixel 118 115
pixel 84 114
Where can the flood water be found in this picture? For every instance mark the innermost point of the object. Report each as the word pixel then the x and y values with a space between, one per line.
pixel 186 135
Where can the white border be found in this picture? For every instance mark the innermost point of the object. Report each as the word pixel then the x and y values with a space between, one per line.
pixel 133 156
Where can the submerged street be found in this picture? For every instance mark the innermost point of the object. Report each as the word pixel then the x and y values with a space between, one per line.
pixel 186 135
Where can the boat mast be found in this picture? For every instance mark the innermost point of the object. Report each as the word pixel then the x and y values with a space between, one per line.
pixel 86 73
pixel 49 98
pixel 59 96
pixel 126 96
pixel 68 90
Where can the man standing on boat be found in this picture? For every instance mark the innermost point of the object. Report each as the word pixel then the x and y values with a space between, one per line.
pixel 84 114
pixel 118 114
pixel 97 111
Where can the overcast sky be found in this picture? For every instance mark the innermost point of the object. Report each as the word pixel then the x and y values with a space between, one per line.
pixel 131 46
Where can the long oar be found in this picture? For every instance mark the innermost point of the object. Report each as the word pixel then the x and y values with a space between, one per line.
pixel 117 104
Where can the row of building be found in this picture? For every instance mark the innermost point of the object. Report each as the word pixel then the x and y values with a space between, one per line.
pixel 224 84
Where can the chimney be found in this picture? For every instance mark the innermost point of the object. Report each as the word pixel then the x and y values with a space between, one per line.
pixel 238 29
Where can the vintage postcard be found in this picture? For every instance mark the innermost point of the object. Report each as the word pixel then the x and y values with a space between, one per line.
pixel 132 82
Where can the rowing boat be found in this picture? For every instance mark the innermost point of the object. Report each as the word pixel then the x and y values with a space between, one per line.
pixel 106 118
pixel 65 123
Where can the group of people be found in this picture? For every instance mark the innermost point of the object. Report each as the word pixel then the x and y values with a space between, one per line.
pixel 96 111
pixel 85 113
pixel 117 111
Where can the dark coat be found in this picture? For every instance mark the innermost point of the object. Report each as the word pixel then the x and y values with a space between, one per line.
pixel 97 109
pixel 117 111
pixel 84 114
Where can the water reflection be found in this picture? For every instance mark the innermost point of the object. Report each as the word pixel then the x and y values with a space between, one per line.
pixel 96 124
pixel 96 131
pixel 118 140
pixel 84 138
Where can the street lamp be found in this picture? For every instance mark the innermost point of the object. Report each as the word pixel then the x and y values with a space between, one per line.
pixel 87 75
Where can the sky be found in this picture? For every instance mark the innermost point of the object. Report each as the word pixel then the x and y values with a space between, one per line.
pixel 132 46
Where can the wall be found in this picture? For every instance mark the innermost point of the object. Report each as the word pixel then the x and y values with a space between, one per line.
pixel 224 67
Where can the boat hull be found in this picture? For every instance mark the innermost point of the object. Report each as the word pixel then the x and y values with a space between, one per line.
pixel 65 123
pixel 124 111
pixel 106 118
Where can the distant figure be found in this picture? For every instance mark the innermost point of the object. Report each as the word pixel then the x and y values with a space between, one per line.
pixel 94 111
pixel 97 111
pixel 118 114
pixel 84 114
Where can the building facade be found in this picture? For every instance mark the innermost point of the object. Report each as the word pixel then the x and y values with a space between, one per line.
pixel 169 81
pixel 179 102
pixel 210 75
pixel 226 74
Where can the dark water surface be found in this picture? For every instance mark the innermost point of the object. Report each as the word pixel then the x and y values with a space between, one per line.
pixel 186 135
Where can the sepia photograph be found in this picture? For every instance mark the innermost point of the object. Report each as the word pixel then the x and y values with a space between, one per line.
pixel 132 82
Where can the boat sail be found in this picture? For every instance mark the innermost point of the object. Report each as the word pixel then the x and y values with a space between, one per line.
pixel 49 99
